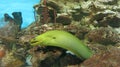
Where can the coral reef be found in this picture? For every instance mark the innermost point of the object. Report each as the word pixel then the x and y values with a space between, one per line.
pixel 96 22
pixel 104 36
pixel 108 58
pixel 13 25
pixel 18 19
pixel 2 51
pixel 65 20
pixel 11 61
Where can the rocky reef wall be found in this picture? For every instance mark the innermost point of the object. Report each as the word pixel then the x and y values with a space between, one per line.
pixel 95 22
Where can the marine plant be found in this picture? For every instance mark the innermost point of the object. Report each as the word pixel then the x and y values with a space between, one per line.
pixel 64 40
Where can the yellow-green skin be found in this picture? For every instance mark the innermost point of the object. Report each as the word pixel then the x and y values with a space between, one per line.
pixel 64 40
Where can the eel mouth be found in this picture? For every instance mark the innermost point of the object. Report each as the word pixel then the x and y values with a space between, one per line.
pixel 34 42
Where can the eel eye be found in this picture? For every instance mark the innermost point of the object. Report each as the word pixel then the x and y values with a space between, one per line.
pixel 54 37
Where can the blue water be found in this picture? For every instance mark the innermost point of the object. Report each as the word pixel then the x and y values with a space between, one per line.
pixel 24 6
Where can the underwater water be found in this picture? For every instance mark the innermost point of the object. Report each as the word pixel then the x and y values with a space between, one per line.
pixel 24 6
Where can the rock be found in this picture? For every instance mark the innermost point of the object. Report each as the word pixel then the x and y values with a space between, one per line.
pixel 53 5
pixel 103 36
pixel 8 18
pixel 65 20
pixel 18 19
pixel 108 58
pixel 109 2
pixel 108 18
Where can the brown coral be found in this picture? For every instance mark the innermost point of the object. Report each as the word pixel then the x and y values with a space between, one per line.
pixel 108 58
pixel 104 36
pixel 65 20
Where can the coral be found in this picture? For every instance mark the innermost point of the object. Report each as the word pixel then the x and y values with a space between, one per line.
pixel 2 52
pixel 103 13
pixel 110 2
pixel 18 19
pixel 25 39
pixel 41 54
pixel 108 58
pixel 8 18
pixel 52 56
pixel 10 60
pixel 93 21
pixel 53 5
pixel 42 11
pixel 16 63
pixel 10 30
pixel 105 19
pixel 104 36
pixel 65 20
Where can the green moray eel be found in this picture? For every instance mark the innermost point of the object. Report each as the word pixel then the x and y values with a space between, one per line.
pixel 64 40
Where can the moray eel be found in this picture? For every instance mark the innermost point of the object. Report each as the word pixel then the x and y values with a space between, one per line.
pixel 64 40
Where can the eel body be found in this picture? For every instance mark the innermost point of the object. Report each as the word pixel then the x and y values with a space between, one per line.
pixel 64 40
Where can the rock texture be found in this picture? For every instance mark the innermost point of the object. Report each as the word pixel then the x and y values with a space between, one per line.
pixel 96 22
